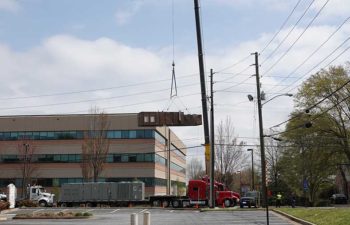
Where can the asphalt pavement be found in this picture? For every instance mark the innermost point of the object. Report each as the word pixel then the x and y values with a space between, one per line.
pixel 159 216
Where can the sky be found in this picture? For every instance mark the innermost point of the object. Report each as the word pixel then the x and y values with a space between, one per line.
pixel 62 57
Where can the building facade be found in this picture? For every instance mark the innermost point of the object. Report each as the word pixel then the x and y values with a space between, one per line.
pixel 55 142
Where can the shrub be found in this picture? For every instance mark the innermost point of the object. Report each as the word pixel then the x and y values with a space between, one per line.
pixel 87 214
pixel 78 214
pixel 4 205
pixel 26 203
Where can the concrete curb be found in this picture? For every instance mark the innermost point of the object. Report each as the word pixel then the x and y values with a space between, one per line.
pixel 8 210
pixel 295 219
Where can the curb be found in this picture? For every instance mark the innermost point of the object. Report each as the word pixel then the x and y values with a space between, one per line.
pixel 8 210
pixel 295 219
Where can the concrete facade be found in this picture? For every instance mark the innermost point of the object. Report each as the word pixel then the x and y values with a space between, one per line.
pixel 135 153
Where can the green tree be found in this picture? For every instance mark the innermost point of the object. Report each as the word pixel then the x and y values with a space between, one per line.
pixel 332 86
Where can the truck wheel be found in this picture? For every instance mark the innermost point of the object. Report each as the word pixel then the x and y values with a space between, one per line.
pixel 88 204
pixel 165 204
pixel 227 203
pixel 42 203
pixel 176 203
pixel 63 204
pixel 156 203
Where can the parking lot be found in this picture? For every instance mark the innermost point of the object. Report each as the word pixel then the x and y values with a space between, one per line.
pixel 159 216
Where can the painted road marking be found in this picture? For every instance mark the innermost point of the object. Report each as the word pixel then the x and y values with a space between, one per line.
pixel 37 210
pixel 90 210
pixel 143 210
pixel 171 211
pixel 114 211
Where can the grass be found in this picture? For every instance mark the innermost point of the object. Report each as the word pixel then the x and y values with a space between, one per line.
pixel 321 216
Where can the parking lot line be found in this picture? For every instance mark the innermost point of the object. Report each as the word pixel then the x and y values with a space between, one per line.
pixel 90 210
pixel 171 211
pixel 143 210
pixel 37 210
pixel 114 211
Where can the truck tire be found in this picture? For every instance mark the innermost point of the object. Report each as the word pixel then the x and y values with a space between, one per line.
pixel 89 204
pixel 165 203
pixel 42 203
pixel 156 203
pixel 176 203
pixel 63 204
pixel 227 203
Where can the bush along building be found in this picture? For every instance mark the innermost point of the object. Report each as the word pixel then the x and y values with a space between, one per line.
pixel 56 149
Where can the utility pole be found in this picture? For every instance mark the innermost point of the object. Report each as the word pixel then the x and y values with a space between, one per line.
pixel 212 142
pixel 251 150
pixel 262 146
pixel 203 90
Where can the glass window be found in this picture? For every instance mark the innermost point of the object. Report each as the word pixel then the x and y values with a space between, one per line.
pixel 36 135
pixel 77 158
pixel 57 158
pixel 117 158
pixel 14 135
pixel 71 158
pixel 1 136
pixel 117 134
pixel 110 134
pixel 132 158
pixel 159 138
pixel 109 158
pixel 125 158
pixel 64 158
pixel 140 157
pixel 80 134
pixel 55 182
pixel 43 135
pixel 149 157
pixel 153 119
pixel 149 134
pixel 132 134
pixel 7 136
pixel 146 119
pixel 51 135
pixel 21 136
pixel 140 134
pixel 28 135
pixel 125 134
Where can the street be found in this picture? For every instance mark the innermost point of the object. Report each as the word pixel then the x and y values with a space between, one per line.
pixel 109 216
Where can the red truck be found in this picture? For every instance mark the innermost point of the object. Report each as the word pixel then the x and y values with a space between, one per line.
pixel 198 195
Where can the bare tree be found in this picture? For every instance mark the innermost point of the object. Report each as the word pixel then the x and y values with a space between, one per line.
pixel 95 146
pixel 229 155
pixel 195 169
pixel 26 164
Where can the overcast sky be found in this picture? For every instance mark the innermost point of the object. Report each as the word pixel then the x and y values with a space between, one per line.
pixel 68 56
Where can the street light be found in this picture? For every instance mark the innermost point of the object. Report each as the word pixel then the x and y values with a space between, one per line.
pixel 240 181
pixel 262 147
pixel 251 150
pixel 286 94
pixel 25 159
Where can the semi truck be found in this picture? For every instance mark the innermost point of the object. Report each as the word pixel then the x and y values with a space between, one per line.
pixel 38 194
pixel 126 193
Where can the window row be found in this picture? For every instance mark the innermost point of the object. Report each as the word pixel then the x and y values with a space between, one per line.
pixel 57 182
pixel 66 135
pixel 77 158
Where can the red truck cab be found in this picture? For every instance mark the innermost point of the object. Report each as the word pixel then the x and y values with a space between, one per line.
pixel 199 191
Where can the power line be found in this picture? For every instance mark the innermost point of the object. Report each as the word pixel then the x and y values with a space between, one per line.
pixel 298 38
pixel 280 29
pixel 233 65
pixel 290 31
pixel 314 52
pixel 345 50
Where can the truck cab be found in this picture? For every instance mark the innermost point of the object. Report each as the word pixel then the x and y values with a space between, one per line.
pixel 38 194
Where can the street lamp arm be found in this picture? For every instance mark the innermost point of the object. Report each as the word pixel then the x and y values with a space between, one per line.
pixel 286 94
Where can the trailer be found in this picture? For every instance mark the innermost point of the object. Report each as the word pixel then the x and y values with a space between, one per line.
pixel 132 193
pixel 106 193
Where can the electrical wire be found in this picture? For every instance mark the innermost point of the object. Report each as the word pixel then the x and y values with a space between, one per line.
pixel 290 31
pixel 281 27
pixel 314 52
pixel 298 38
pixel 234 64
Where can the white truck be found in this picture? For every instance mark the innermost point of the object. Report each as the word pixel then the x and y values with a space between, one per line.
pixel 38 194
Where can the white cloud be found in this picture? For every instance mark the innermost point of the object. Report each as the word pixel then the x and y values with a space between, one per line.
pixel 123 16
pixel 9 5
pixel 66 63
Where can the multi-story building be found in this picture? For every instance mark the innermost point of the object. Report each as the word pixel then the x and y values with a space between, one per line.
pixel 55 141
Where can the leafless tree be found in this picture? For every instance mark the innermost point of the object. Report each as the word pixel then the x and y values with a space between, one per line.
pixel 229 155
pixel 95 146
pixel 195 169
pixel 26 166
